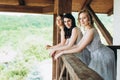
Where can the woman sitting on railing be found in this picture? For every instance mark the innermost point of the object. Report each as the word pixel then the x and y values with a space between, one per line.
pixel 102 57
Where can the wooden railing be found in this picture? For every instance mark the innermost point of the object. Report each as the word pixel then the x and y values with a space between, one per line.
pixel 74 69
pixel 69 67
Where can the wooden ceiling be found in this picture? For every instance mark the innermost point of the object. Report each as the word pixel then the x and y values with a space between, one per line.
pixel 47 6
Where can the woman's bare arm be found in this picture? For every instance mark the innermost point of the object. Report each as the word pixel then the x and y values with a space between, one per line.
pixel 71 42
pixel 87 38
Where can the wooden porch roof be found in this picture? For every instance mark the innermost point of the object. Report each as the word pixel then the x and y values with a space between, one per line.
pixel 47 6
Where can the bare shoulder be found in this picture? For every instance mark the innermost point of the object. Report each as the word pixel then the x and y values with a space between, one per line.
pixel 77 29
pixel 62 32
pixel 74 29
pixel 91 31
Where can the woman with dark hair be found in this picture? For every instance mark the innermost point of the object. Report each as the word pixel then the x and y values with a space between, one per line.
pixel 72 35
pixel 102 58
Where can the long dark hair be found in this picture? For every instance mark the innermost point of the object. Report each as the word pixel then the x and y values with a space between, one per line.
pixel 68 31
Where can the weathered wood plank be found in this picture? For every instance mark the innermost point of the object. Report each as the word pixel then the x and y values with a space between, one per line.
pixel 22 2
pixel 78 70
pixel 12 8
pixel 39 2
pixel 26 9
pixel 60 7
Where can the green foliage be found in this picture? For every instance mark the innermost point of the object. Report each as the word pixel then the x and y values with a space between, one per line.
pixel 1 67
pixel 16 22
pixel 26 36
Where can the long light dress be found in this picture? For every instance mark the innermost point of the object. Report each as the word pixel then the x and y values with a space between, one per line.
pixel 84 56
pixel 102 58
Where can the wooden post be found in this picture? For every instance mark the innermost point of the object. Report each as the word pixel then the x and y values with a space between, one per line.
pixel 60 7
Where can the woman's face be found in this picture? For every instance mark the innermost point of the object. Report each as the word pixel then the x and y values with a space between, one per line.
pixel 68 22
pixel 83 19
pixel 59 21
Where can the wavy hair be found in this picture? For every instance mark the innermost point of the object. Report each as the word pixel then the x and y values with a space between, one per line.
pixel 68 31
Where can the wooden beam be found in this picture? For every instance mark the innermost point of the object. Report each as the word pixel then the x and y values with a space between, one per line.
pixel 78 70
pixel 62 72
pixel 22 2
pixel 42 3
pixel 87 2
pixel 101 27
pixel 16 8
pixel 54 43
pixel 48 9
pixel 110 12
pixel 26 9
pixel 62 6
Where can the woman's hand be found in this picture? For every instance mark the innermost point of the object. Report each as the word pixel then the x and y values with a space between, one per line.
pixel 48 46
pixel 58 54
pixel 55 54
pixel 52 52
